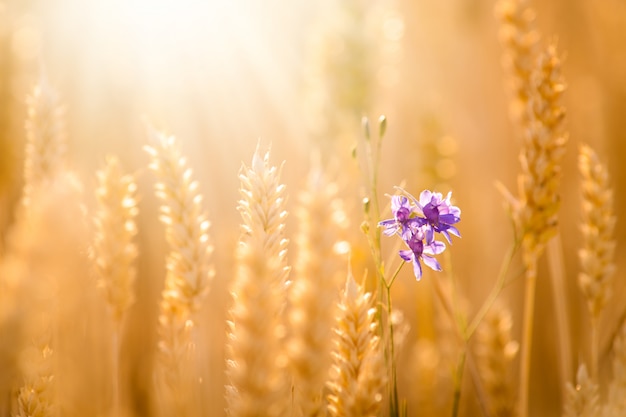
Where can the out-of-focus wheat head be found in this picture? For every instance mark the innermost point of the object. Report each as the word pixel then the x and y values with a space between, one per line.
pixel 519 38
pixel 36 396
pixel 45 137
pixel 616 399
pixel 358 375
pixel 495 351
pixel 114 250
pixel 188 270
pixel 543 146
pixel 313 295
pixel 598 223
pixel 582 399
pixel 256 362
pixel 50 241
pixel 341 75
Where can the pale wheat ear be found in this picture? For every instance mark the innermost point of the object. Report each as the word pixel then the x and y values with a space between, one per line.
pixel 45 152
pixel 495 351
pixel 256 358
pixel 598 225
pixel 519 37
pixel 189 271
pixel 114 251
pixel 358 376
pixel 616 399
pixel 582 398
pixel 313 295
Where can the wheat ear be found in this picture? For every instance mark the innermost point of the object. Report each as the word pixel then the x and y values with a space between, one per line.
pixel 596 255
pixel 313 294
pixel 114 251
pixel 45 137
pixel 495 351
pixel 358 375
pixel 519 39
pixel 188 268
pixel 582 399
pixel 256 362
pixel 616 401
pixel 536 211
pixel 36 396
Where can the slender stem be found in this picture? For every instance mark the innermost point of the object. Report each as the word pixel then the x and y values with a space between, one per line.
pixel 495 291
pixel 393 400
pixel 557 272
pixel 395 274
pixel 116 368
pixel 527 333
pixel 458 379
pixel 462 338
pixel 594 347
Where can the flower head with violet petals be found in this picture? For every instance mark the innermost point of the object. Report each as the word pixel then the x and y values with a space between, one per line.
pixel 402 210
pixel 420 248
pixel 417 221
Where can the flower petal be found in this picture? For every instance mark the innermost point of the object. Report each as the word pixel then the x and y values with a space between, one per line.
pixel 435 248
pixel 431 262
pixel 417 269
pixel 406 254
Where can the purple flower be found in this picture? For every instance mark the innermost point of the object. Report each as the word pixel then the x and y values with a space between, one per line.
pixel 439 214
pixel 402 221
pixel 421 245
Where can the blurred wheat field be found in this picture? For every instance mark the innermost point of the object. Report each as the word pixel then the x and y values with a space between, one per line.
pixel 182 221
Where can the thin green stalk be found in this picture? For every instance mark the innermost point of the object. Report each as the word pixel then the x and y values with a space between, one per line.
pixel 495 291
pixel 458 379
pixel 466 359
pixel 393 398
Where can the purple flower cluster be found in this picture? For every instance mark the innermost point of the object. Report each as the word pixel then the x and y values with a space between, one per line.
pixel 417 221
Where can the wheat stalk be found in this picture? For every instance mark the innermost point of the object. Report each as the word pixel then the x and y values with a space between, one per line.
pixel 313 293
pixel 188 268
pixel 358 375
pixel 255 355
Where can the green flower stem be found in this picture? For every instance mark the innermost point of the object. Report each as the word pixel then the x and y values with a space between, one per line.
pixel 495 291
pixel 394 409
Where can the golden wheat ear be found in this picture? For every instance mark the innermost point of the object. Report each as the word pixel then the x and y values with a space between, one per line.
pixel 598 224
pixel 256 362
pixel 519 38
pixel 114 251
pixel 598 243
pixel 616 399
pixel 582 399
pixel 189 270
pixel 313 294
pixel 358 376
pixel 495 351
